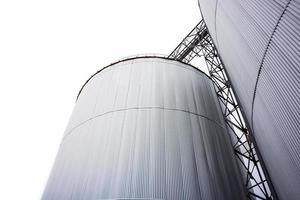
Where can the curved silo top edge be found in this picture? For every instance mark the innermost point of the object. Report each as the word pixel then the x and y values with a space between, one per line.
pixel 135 58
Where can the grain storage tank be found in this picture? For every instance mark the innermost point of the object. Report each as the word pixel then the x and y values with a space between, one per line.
pixel 146 128
pixel 259 44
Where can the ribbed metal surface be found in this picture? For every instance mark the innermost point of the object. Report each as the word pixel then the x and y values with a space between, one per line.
pixel 146 128
pixel 259 43
pixel 208 8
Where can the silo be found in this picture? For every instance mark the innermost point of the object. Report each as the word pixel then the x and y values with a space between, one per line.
pixel 146 128
pixel 259 44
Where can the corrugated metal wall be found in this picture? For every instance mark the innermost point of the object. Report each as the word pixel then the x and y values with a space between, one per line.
pixel 259 43
pixel 146 128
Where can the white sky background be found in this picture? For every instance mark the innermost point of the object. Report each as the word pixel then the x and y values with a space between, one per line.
pixel 48 49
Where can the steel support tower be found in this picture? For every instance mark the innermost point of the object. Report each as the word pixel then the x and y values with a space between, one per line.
pixel 198 43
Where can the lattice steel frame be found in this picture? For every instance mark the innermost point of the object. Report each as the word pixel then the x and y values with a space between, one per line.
pixel 198 43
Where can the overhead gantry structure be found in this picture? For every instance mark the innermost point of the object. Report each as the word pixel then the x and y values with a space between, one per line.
pixel 198 43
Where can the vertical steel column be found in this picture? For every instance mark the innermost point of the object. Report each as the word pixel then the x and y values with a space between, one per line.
pixel 198 43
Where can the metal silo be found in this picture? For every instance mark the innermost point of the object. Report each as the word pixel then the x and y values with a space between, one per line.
pixel 146 128
pixel 259 43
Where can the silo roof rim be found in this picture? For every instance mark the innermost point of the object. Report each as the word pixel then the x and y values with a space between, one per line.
pixel 134 58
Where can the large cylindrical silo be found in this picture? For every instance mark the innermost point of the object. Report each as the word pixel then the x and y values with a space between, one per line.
pixel 259 44
pixel 146 128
